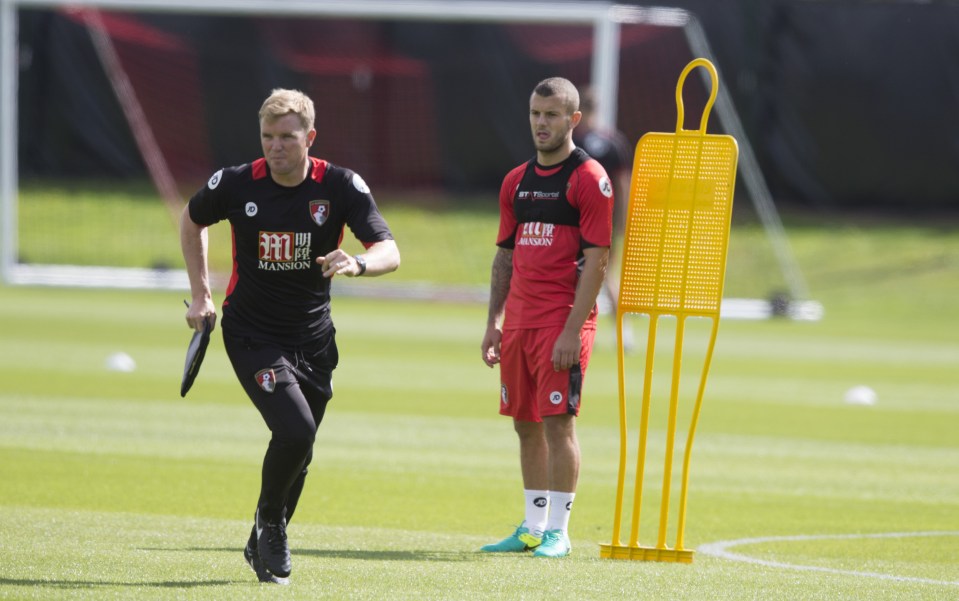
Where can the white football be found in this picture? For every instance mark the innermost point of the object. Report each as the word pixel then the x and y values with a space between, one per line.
pixel 860 395
pixel 120 362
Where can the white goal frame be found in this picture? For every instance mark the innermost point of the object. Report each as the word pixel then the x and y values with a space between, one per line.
pixel 606 19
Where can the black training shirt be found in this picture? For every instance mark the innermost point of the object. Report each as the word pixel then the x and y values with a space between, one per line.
pixel 277 292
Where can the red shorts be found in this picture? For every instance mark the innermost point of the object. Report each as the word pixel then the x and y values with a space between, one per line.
pixel 530 389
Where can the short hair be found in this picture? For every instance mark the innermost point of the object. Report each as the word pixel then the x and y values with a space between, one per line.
pixel 559 86
pixel 283 102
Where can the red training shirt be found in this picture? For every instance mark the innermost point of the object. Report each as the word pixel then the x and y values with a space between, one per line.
pixel 547 217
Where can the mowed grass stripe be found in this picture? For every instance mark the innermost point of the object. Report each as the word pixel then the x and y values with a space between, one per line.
pixel 422 449
pixel 183 430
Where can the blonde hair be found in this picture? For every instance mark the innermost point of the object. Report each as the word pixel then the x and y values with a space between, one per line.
pixel 282 102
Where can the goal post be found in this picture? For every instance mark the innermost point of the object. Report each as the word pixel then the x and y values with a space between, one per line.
pixel 606 21
pixel 8 140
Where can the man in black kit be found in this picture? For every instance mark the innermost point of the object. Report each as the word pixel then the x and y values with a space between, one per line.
pixel 287 212
pixel 611 148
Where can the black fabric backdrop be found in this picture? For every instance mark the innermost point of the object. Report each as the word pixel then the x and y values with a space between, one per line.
pixel 846 104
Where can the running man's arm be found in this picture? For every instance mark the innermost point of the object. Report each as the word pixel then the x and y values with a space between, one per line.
pixel 500 277
pixel 194 244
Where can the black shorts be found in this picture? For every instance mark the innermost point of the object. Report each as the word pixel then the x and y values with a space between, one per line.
pixel 290 387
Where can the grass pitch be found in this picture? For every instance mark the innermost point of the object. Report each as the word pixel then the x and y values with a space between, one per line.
pixel 115 487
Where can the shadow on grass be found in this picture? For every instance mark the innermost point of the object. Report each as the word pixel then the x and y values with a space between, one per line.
pixel 92 584
pixel 359 554
pixel 383 555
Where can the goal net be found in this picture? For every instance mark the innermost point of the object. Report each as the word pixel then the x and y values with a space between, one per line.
pixel 117 111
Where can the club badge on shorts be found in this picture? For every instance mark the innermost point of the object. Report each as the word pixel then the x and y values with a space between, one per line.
pixel 266 379
pixel 320 211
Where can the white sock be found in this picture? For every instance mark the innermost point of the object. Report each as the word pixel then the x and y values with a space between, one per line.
pixel 561 504
pixel 537 510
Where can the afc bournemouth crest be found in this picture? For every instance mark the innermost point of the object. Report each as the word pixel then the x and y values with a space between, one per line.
pixel 320 211
pixel 266 379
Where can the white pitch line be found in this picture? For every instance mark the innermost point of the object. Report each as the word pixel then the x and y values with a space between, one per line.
pixel 720 549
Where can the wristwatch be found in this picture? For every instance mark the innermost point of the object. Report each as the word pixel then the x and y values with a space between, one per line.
pixel 361 263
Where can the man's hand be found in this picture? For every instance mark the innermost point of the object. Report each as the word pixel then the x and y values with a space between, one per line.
pixel 200 311
pixel 491 345
pixel 566 350
pixel 338 262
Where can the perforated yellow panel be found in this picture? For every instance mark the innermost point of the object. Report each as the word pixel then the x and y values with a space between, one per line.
pixel 677 228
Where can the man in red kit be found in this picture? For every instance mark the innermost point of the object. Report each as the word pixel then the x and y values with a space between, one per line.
pixel 287 212
pixel 554 237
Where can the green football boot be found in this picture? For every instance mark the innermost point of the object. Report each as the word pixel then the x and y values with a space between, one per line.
pixel 521 540
pixel 555 544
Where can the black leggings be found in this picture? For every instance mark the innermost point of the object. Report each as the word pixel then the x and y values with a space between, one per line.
pixel 291 389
